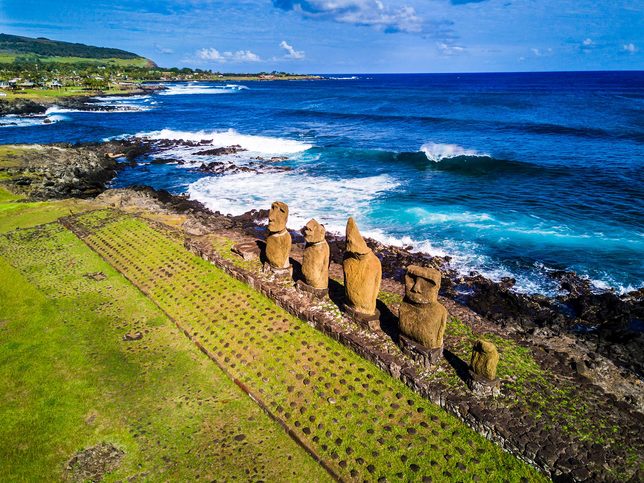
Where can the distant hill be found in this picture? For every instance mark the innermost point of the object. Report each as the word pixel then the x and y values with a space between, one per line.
pixel 46 50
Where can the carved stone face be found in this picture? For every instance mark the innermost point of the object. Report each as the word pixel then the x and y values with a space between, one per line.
pixel 355 242
pixel 277 217
pixel 313 232
pixel 422 284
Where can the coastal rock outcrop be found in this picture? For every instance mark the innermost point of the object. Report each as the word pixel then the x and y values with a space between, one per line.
pixel 362 277
pixel 58 171
pixel 234 149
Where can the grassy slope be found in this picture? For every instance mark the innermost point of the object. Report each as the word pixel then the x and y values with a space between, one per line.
pixel 364 424
pixel 557 402
pixel 69 381
pixel 50 95
pixel 8 58
pixel 15 212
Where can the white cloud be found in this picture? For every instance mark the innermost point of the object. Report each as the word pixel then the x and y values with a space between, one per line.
pixel 587 42
pixel 291 53
pixel 447 49
pixel 630 48
pixel 163 50
pixel 223 57
pixel 540 52
pixel 372 13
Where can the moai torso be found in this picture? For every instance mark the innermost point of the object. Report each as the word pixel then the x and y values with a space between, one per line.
pixel 278 249
pixel 422 318
pixel 485 358
pixel 315 262
pixel 278 241
pixel 362 272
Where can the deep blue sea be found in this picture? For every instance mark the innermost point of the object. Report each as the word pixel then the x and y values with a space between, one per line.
pixel 510 174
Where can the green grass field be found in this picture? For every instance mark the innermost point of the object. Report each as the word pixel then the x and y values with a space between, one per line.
pixel 6 58
pixel 364 424
pixel 69 381
pixel 50 95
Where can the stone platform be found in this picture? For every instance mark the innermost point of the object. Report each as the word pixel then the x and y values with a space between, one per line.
pixel 531 435
pixel 421 354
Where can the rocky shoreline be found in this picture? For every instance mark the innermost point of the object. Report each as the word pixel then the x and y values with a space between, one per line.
pixel 30 107
pixel 604 363
pixel 604 392
pixel 603 324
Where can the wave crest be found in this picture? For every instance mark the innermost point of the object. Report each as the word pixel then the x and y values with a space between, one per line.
pixel 437 152
pixel 186 89
pixel 335 199
pixel 255 144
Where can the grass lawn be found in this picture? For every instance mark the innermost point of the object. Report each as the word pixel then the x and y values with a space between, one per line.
pixel 363 423
pixel 69 381
pixel 6 58
pixel 16 212
pixel 50 95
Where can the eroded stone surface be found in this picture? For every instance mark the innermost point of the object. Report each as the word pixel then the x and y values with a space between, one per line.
pixel 362 272
pixel 422 318
pixel 315 260
pixel 278 241
pixel 485 358
pixel 92 464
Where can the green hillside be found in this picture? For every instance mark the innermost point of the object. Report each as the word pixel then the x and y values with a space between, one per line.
pixel 15 48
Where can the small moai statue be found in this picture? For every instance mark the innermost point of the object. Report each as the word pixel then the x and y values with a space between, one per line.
pixel 422 319
pixel 278 241
pixel 362 276
pixel 315 261
pixel 482 371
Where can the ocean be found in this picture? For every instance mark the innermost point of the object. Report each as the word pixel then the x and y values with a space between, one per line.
pixel 517 174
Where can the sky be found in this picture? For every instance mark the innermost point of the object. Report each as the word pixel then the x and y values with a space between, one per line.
pixel 349 36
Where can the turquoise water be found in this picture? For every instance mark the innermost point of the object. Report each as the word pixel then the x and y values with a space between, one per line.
pixel 510 174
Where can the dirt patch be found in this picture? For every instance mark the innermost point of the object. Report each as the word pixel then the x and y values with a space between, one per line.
pixel 96 276
pixel 93 463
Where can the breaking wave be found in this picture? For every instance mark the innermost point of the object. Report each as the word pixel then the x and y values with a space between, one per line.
pixel 13 120
pixel 255 144
pixel 185 89
pixel 332 201
pixel 437 152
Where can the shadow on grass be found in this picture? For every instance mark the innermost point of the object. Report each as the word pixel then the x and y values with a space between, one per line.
pixel 460 366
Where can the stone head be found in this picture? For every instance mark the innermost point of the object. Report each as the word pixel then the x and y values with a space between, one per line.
pixel 422 284
pixel 484 348
pixel 277 217
pixel 313 232
pixel 355 242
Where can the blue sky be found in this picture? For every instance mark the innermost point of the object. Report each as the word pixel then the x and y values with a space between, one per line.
pixel 349 36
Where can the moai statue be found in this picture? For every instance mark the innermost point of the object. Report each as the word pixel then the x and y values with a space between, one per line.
pixel 483 378
pixel 362 276
pixel 278 241
pixel 315 262
pixel 422 319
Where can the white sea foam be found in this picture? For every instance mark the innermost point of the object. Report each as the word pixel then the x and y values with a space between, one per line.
pixel 12 120
pixel 334 199
pixel 353 77
pixel 123 98
pixel 426 217
pixel 254 144
pixel 185 89
pixel 437 152
pixel 116 108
